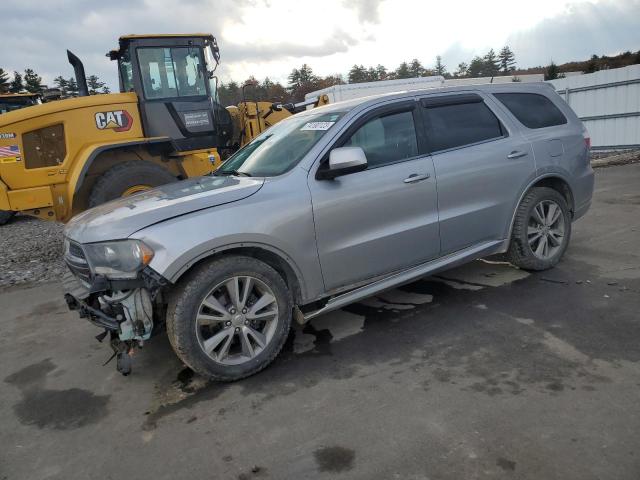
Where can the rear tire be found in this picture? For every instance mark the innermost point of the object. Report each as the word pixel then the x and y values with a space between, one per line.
pixel 116 181
pixel 541 230
pixel 226 339
pixel 5 216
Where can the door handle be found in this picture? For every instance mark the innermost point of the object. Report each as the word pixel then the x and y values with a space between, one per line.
pixel 516 154
pixel 417 177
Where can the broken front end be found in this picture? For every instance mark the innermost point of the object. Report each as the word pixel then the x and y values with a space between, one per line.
pixel 111 285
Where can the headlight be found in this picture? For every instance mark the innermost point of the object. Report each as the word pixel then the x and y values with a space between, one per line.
pixel 118 260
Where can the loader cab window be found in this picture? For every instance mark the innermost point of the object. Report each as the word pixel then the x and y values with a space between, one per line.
pixel 171 72
pixel 126 72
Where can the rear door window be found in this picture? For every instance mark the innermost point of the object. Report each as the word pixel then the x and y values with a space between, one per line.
pixel 386 139
pixel 532 110
pixel 459 124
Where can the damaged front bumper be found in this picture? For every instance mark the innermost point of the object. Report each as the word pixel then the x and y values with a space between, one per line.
pixel 130 311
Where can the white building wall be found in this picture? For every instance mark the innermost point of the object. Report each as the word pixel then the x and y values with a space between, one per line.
pixel 608 102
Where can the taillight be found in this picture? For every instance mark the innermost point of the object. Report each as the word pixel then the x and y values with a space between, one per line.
pixel 587 139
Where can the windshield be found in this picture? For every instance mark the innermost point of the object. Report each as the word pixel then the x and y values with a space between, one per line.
pixel 280 148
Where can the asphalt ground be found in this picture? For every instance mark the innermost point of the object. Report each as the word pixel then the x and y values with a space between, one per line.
pixel 483 372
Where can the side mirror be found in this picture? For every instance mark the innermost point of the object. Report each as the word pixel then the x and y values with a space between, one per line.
pixel 342 161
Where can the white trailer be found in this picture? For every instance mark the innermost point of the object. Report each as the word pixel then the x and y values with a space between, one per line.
pixel 338 93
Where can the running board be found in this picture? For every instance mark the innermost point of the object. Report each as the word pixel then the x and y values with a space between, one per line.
pixel 406 276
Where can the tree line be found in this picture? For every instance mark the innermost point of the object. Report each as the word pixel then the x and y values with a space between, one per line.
pixel 303 80
pixel 31 82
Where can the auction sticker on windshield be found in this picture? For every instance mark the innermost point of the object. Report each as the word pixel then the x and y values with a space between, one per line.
pixel 317 126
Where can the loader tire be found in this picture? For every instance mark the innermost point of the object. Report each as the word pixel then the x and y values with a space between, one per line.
pixel 126 179
pixel 5 216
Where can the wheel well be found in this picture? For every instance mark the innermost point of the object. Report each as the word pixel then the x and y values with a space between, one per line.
pixel 108 159
pixel 559 185
pixel 272 259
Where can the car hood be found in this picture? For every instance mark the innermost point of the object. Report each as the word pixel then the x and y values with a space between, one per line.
pixel 121 218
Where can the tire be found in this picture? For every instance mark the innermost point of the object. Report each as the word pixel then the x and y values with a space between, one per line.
pixel 115 182
pixel 189 338
pixel 525 250
pixel 5 216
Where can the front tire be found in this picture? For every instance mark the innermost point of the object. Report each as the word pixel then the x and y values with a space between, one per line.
pixel 5 216
pixel 230 318
pixel 541 230
pixel 128 178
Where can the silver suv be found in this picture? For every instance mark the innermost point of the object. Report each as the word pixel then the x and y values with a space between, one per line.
pixel 328 207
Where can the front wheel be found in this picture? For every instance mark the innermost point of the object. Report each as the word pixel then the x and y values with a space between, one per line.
pixel 541 230
pixel 127 179
pixel 230 318
pixel 5 216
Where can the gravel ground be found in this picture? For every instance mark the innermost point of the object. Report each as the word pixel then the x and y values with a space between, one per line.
pixel 31 251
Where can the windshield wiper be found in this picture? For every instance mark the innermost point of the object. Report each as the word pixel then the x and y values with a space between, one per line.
pixel 223 173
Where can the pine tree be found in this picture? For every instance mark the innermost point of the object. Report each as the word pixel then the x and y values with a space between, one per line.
pixel 94 84
pixel 551 73
pixel 492 64
pixel 372 74
pixel 592 65
pixel 301 82
pixel 476 67
pixel 62 84
pixel 440 69
pixel 357 74
pixel 4 81
pixel 17 85
pixel 32 81
pixel 462 71
pixel 507 60
pixel 381 72
pixel 72 87
pixel 402 71
pixel 416 69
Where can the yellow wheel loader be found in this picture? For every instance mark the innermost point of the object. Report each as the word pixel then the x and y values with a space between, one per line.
pixel 59 158
pixel 15 101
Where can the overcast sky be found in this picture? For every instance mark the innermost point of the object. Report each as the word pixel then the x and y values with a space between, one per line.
pixel 270 37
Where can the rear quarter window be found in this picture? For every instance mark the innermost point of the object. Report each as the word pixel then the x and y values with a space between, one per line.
pixel 532 110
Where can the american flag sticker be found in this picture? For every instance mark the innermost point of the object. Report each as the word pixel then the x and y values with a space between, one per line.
pixel 9 153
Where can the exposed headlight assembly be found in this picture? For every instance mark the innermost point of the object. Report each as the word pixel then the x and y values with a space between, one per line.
pixel 121 259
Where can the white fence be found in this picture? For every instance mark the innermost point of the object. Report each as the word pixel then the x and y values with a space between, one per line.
pixel 608 102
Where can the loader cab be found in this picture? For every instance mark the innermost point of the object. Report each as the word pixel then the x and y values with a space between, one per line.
pixel 177 91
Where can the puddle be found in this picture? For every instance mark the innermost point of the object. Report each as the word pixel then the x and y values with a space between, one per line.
pixel 485 273
pixel 341 324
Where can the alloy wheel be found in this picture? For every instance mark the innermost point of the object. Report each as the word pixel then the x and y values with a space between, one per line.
pixel 546 229
pixel 237 320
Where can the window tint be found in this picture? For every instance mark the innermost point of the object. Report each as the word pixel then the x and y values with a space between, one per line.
pixel 386 139
pixel 171 72
pixel 532 110
pixel 451 126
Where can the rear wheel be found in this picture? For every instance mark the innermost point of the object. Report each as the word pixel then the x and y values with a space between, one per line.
pixel 127 179
pixel 5 216
pixel 541 230
pixel 230 318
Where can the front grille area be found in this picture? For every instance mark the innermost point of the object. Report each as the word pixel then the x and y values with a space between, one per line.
pixel 76 260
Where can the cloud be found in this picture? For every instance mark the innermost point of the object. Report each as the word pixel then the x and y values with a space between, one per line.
pixel 607 27
pixel 367 9
pixel 270 37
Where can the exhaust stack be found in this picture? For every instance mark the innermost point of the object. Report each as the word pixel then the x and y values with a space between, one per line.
pixel 78 69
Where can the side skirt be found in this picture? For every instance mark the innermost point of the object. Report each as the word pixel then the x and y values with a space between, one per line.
pixel 409 275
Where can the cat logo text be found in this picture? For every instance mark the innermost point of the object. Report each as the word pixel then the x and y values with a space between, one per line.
pixel 117 120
